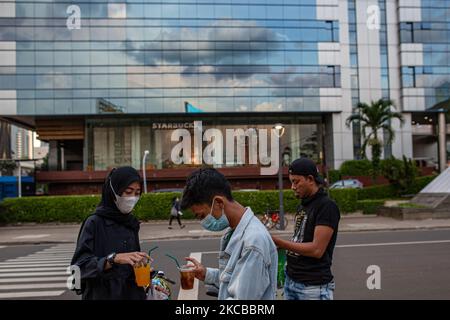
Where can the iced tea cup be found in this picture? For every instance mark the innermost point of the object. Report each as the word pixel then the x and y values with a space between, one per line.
pixel 142 274
pixel 187 276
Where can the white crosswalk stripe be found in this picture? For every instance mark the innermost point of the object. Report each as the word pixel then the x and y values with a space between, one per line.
pixel 32 269
pixel 30 294
pixel 21 261
pixel 30 274
pixel 21 265
pixel 36 279
pixel 41 275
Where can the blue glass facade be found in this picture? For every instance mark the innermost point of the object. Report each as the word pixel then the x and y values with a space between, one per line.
pixel 354 79
pixel 384 61
pixel 152 56
pixel 433 32
pixel 144 59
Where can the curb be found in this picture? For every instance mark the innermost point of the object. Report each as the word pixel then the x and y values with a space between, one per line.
pixel 211 236
pixel 397 229
pixel 21 225
pixel 24 243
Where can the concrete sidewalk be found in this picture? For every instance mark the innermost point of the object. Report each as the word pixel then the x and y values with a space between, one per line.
pixel 158 230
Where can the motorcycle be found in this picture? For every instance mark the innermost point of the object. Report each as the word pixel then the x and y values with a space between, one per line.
pixel 160 287
pixel 271 219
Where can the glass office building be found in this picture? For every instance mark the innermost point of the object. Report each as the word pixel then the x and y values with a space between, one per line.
pixel 151 57
pixel 431 38
pixel 425 72
pixel 96 79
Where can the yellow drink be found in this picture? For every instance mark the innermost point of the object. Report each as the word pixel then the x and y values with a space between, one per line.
pixel 142 273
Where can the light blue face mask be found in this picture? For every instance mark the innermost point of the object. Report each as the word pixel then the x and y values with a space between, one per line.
pixel 212 224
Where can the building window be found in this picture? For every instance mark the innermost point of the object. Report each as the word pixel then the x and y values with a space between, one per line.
pixel 425 26
pixel 117 10
pixel 332 71
pixel 407 32
pixel 333 28
pixel 114 143
pixel 409 77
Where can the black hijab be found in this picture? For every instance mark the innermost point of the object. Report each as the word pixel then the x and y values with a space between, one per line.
pixel 120 179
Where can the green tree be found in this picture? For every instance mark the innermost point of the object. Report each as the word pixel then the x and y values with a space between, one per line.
pixel 400 173
pixel 372 118
pixel 7 167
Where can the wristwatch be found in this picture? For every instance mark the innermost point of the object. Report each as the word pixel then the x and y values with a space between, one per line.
pixel 110 258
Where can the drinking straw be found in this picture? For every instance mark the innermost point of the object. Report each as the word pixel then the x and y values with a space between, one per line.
pixel 174 259
pixel 149 251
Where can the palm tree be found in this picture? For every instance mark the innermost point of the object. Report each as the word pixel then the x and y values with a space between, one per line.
pixel 374 117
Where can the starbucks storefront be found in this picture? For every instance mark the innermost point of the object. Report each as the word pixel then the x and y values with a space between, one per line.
pixel 113 142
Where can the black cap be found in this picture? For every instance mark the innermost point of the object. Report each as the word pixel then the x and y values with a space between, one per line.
pixel 305 167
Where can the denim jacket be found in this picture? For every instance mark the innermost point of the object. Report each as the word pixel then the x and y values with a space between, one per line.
pixel 247 263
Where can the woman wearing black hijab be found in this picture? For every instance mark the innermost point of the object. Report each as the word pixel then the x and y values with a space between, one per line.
pixel 108 243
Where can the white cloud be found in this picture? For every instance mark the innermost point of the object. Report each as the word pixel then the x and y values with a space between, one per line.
pixel 269 106
pixel 117 10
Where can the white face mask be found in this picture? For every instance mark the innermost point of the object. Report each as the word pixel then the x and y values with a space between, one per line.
pixel 124 204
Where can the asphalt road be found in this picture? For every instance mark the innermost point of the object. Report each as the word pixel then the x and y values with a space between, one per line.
pixel 413 265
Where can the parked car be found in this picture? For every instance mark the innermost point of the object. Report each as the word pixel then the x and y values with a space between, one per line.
pixel 347 184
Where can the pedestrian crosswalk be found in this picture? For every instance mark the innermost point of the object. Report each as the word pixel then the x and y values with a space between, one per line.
pixel 41 275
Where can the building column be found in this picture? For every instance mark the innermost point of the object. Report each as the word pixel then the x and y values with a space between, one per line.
pixel 328 142
pixel 295 141
pixel 338 137
pixel 341 147
pixel 442 127
pixel 403 143
pixel 5 142
pixel 136 152
pixel 53 155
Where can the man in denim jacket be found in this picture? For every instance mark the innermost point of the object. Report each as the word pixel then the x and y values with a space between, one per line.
pixel 248 257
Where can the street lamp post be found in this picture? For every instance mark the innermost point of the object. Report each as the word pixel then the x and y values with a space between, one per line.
pixel 143 170
pixel 20 180
pixel 280 131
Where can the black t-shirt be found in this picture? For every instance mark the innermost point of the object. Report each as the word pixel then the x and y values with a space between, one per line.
pixel 314 211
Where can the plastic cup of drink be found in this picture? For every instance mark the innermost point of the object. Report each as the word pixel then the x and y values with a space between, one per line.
pixel 187 277
pixel 142 274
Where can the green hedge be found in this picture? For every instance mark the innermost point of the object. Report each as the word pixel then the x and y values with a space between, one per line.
pixel 157 205
pixel 377 192
pixel 76 208
pixel 47 209
pixel 369 206
pixel 345 199
pixel 419 184
pixel 334 175
pixel 152 206
pixel 356 168
pixel 260 201
pixel 389 191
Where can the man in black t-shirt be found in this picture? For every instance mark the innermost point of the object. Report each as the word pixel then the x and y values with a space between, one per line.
pixel 310 252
